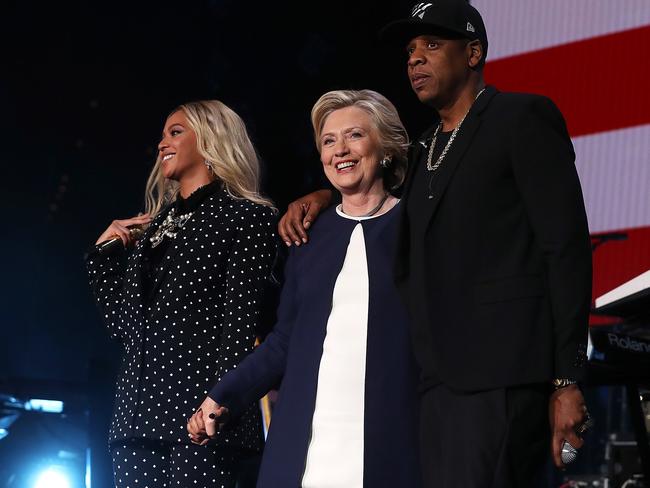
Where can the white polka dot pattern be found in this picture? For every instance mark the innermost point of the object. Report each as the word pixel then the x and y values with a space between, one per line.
pixel 199 322
pixel 147 464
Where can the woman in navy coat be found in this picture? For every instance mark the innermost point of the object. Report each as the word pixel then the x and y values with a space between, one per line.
pixel 346 413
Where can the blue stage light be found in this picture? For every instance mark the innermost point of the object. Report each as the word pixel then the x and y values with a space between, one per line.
pixel 53 477
pixel 48 406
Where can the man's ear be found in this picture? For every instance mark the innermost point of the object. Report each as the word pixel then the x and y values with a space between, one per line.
pixel 474 53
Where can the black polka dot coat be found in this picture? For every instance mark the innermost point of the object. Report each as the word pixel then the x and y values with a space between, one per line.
pixel 199 322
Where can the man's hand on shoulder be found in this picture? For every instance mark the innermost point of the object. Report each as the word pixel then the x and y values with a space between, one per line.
pixel 300 215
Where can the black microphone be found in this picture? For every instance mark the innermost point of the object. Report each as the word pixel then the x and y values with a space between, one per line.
pixel 112 244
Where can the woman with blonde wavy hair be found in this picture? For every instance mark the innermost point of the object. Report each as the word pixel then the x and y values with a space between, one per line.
pixel 346 414
pixel 183 296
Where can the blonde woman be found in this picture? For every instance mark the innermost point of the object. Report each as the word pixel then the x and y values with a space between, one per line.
pixel 346 413
pixel 184 297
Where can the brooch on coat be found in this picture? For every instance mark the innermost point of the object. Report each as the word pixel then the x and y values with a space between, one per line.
pixel 170 227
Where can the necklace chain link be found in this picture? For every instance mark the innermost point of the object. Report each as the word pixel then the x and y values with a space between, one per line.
pixel 378 207
pixel 436 165
pixel 374 210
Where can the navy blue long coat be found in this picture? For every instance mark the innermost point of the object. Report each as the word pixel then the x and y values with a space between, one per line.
pixel 292 352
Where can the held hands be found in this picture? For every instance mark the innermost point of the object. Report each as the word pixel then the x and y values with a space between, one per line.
pixel 567 411
pixel 300 215
pixel 206 421
pixel 120 228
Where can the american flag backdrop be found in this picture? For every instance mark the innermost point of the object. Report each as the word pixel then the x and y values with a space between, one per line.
pixel 592 58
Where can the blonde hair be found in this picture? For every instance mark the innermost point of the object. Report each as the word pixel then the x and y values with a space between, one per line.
pixel 222 140
pixel 393 137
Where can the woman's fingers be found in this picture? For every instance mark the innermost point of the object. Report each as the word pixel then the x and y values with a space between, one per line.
pixel 192 428
pixel 123 232
pixel 211 424
pixel 196 429
pixel 120 228
pixel 195 424
pixel 139 220
pixel 200 425
pixel 199 440
pixel 214 420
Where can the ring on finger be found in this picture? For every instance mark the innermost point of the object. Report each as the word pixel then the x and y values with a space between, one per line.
pixel 586 424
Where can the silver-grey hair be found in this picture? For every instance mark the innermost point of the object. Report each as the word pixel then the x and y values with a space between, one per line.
pixel 393 137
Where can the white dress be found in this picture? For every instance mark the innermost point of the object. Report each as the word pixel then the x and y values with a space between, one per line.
pixel 335 455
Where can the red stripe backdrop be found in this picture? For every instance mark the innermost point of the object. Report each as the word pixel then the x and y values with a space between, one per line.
pixel 599 84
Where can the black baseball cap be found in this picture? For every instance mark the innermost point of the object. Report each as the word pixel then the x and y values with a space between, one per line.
pixel 445 17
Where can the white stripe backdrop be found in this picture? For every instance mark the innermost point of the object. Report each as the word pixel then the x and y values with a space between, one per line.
pixel 519 26
pixel 614 169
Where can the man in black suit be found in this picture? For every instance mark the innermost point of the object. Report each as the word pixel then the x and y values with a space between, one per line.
pixel 494 262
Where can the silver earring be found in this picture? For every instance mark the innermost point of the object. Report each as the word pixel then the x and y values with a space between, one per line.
pixel 208 165
pixel 384 163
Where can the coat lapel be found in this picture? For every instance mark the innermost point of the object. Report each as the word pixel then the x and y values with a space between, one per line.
pixel 414 155
pixel 457 150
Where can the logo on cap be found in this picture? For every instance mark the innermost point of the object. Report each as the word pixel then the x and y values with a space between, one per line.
pixel 420 9
pixel 470 28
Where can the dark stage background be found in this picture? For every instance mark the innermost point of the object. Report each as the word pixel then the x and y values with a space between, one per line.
pixel 85 88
